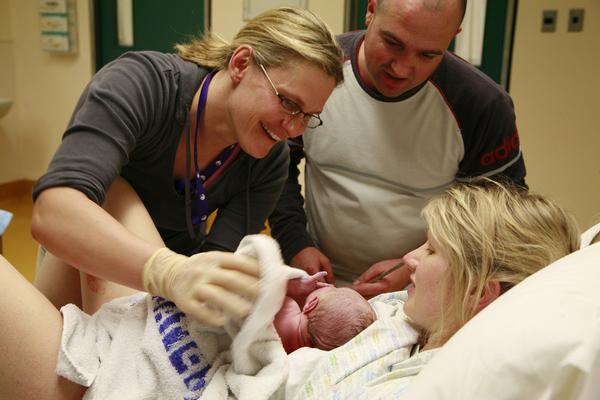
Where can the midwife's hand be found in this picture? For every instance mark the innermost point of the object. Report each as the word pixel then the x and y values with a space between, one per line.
pixel 206 286
pixel 312 261
pixel 369 286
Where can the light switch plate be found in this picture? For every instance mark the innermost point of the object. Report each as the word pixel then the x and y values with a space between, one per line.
pixel 576 19
pixel 549 20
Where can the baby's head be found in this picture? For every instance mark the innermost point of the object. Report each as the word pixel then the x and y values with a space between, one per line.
pixel 338 315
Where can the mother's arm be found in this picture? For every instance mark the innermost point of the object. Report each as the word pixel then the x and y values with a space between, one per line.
pixel 30 331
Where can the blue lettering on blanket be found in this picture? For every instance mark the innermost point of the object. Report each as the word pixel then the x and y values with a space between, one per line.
pixel 182 350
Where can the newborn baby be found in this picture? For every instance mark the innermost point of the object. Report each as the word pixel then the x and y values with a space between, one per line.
pixel 315 314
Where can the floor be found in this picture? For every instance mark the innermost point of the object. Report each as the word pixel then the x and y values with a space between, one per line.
pixel 18 246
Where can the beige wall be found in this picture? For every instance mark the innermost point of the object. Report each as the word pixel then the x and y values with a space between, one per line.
pixel 45 88
pixel 555 85
pixel 8 138
pixel 226 15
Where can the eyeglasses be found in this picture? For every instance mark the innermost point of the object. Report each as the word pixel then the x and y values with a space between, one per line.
pixel 309 120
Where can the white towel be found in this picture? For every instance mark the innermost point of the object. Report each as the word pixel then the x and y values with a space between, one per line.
pixel 143 347
pixel 257 365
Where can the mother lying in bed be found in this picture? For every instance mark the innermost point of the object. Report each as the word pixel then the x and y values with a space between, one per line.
pixel 483 239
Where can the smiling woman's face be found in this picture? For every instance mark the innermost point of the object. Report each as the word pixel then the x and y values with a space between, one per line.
pixel 259 119
pixel 426 299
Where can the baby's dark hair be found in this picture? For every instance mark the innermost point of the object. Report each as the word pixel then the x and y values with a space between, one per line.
pixel 340 315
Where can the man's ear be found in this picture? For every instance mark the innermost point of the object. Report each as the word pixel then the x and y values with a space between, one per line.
pixel 371 5
pixel 489 294
pixel 239 62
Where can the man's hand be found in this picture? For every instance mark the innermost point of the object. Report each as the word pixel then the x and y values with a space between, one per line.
pixel 367 285
pixel 312 261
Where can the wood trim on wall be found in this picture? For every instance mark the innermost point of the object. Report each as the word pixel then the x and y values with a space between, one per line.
pixel 22 187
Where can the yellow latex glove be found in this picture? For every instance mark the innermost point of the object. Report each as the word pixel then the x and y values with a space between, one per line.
pixel 206 286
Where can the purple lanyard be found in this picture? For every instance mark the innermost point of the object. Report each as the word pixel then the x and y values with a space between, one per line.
pixel 201 211
pixel 199 205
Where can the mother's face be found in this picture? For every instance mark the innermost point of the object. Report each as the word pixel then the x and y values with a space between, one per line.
pixel 427 297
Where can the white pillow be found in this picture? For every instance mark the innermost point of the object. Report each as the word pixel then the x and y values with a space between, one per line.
pixel 540 340
pixel 589 235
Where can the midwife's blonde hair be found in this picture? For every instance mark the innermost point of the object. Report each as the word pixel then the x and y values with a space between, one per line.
pixel 278 36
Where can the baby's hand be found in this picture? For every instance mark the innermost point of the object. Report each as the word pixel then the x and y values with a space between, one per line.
pixel 301 287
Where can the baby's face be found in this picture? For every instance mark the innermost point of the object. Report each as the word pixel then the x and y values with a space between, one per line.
pixel 291 321
pixel 291 325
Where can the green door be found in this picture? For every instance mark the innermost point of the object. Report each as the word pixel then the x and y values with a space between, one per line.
pixel 157 25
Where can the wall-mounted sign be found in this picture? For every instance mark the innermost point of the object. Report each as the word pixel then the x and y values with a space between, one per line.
pixel 58 26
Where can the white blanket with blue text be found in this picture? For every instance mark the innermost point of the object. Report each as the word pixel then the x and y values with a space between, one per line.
pixel 143 347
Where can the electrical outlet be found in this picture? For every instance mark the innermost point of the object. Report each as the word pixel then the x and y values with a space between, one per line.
pixel 549 20
pixel 576 19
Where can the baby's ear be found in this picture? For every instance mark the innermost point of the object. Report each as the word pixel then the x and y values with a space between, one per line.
pixel 311 305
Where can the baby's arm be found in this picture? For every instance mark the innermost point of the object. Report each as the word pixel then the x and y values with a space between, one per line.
pixel 299 288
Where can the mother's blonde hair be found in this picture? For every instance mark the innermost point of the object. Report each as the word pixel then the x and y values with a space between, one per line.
pixel 277 36
pixel 488 231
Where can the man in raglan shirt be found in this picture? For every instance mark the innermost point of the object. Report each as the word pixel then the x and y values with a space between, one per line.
pixel 409 120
